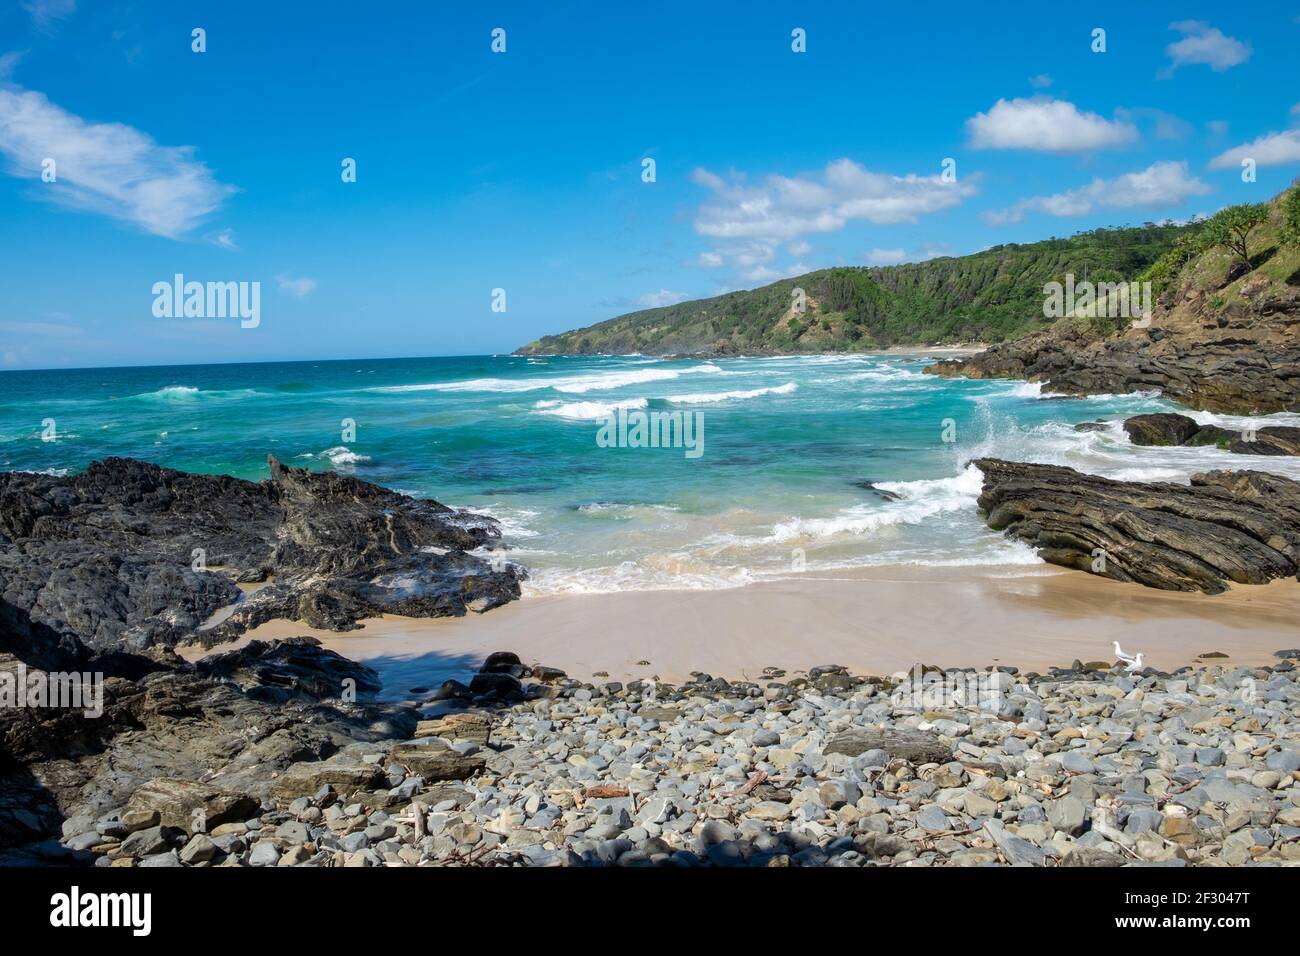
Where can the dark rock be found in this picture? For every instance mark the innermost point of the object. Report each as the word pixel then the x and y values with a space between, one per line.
pixel 914 746
pixel 501 662
pixel 1241 527
pixel 1163 428
pixel 498 686
pixel 297 667
pixel 106 558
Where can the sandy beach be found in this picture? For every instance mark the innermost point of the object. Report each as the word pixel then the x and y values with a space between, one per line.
pixel 876 621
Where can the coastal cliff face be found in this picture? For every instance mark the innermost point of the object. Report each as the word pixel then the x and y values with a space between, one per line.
pixel 1220 338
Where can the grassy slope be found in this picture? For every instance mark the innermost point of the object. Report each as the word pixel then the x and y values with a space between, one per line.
pixel 990 296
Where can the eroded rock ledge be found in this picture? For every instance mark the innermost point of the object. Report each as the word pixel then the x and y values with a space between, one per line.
pixel 106 559
pixel 1225 527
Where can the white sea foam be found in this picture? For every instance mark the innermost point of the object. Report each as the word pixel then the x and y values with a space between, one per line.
pixel 706 398
pixel 569 384
pixel 514 522
pixel 189 393
pixel 342 458
pixel 655 573
pixel 918 500
pixel 585 411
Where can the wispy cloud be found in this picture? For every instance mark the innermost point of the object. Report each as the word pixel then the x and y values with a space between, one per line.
pixel 298 288
pixel 886 257
pixel 45 12
pixel 107 168
pixel 1046 125
pixel 9 63
pixel 1271 149
pixel 226 240
pixel 752 220
pixel 1204 44
pixel 1040 82
pixel 653 300
pixel 1160 185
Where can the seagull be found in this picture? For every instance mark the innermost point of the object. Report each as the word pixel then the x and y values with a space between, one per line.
pixel 1134 663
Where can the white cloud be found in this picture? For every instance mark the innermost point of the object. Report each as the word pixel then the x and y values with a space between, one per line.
pixel 226 240
pixel 107 168
pixel 1202 43
pixel 45 12
pixel 752 221
pixel 893 257
pixel 1041 81
pixel 1045 124
pixel 886 257
pixel 1295 111
pixel 1271 149
pixel 298 288
pixel 1160 184
pixel 653 300
pixel 709 260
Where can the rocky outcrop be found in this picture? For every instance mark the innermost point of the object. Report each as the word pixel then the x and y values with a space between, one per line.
pixel 1225 527
pixel 103 572
pixel 177 724
pixel 1243 361
pixel 128 555
pixel 1165 428
pixel 1221 337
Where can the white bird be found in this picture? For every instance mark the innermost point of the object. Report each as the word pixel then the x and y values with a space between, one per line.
pixel 1134 662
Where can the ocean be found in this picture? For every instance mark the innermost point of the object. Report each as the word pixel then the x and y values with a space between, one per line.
pixel 808 463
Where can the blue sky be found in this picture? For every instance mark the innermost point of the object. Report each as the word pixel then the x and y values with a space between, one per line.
pixel 522 170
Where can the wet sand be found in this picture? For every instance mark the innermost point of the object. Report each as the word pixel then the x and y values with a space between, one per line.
pixel 875 621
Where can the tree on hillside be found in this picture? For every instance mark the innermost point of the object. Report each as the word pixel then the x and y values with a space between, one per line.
pixel 1231 228
pixel 1291 217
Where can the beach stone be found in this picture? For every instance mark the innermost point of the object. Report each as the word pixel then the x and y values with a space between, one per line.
pixel 147 842
pixel 199 849
pixel 468 725
pixel 183 804
pixel 264 854
pixel 434 760
pixel 1076 762
pixel 1283 761
pixel 914 746
pixel 1067 814
pixel 344 775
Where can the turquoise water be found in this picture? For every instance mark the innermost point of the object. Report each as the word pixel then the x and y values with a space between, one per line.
pixel 777 490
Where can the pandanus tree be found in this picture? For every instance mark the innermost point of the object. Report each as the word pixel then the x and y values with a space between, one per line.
pixel 1231 229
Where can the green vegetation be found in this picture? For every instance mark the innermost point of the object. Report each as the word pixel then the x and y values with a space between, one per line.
pixel 1290 233
pixel 990 296
pixel 1215 255
pixel 1231 229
